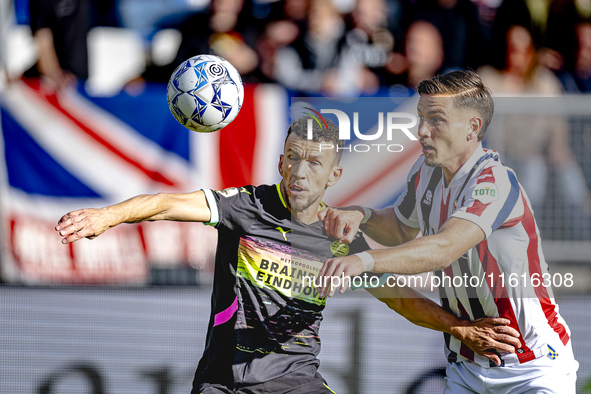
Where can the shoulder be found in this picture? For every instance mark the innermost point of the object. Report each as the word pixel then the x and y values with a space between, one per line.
pixel 545 82
pixel 493 178
pixel 262 191
pixel 243 196
pixel 490 165
pixel 257 191
pixel 260 195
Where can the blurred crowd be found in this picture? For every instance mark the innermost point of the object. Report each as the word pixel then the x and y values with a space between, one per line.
pixel 314 47
pixel 350 47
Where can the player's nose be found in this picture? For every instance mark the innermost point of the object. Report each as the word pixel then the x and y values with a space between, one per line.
pixel 423 131
pixel 299 169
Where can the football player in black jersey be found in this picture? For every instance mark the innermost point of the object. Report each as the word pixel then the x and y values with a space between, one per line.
pixel 266 311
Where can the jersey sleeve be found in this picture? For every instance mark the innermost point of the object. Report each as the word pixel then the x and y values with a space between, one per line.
pixel 406 205
pixel 233 208
pixel 491 200
pixel 40 13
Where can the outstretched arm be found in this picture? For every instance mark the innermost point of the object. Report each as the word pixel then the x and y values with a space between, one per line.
pixel 90 223
pixel 483 336
pixel 424 254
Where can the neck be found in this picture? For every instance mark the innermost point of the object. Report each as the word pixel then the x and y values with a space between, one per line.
pixel 309 215
pixel 306 216
pixel 451 170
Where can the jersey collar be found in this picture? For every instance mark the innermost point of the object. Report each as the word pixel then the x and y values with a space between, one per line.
pixel 278 186
pixel 469 164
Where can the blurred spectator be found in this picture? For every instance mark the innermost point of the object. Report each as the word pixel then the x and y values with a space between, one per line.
pixel 284 26
pixel 551 24
pixel 423 55
pixel 60 28
pixel 464 41
pixel 517 13
pixel 319 60
pixel 487 10
pixel 369 40
pixel 277 35
pixel 223 30
pixel 522 74
pixel 578 79
pixel 297 11
pixel 535 144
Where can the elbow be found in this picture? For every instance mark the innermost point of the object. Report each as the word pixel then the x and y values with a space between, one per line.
pixel 442 263
pixel 445 254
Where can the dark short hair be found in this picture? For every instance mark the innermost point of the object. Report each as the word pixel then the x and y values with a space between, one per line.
pixel 328 132
pixel 467 89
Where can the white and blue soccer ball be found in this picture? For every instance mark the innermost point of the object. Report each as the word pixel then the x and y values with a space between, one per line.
pixel 205 93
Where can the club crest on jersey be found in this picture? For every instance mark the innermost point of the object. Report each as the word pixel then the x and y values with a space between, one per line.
pixel 339 249
pixel 485 192
pixel 552 353
pixel 428 198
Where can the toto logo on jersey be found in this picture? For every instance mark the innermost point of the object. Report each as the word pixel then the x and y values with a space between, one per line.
pixel 391 119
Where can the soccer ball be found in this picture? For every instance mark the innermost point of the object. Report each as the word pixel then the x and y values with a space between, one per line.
pixel 205 93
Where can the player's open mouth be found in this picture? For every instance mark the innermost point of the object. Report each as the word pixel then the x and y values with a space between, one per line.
pixel 296 190
pixel 427 148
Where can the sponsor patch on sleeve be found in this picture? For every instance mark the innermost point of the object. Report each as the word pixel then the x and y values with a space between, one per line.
pixel 232 191
pixel 485 192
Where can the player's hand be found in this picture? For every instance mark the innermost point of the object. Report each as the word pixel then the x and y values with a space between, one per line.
pixel 334 271
pixel 488 334
pixel 59 80
pixel 84 223
pixel 341 224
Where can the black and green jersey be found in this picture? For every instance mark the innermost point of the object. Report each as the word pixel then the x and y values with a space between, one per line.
pixel 266 311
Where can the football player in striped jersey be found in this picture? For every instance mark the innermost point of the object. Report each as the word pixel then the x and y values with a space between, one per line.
pixel 480 237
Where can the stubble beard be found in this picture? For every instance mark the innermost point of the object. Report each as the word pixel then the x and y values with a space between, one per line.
pixel 431 162
pixel 300 203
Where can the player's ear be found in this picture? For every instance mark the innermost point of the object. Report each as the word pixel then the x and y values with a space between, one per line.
pixel 474 128
pixel 335 175
pixel 280 166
